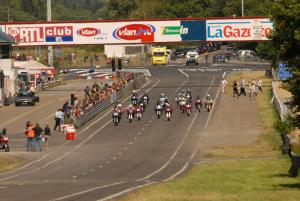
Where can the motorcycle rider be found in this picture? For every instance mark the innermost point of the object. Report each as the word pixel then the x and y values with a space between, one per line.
pixel 130 109
pixel 139 111
pixel 198 102
pixel 146 98
pixel 208 101
pixel 134 99
pixel 158 107
pixel 188 106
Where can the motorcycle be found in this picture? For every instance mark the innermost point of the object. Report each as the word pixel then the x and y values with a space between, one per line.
pixel 134 100
pixel 208 105
pixel 182 105
pixel 116 118
pixel 198 105
pixel 158 110
pixel 139 114
pixel 4 143
pixel 168 114
pixel 188 109
pixel 130 115
pixel 146 100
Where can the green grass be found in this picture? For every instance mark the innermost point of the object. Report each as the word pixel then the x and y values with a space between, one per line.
pixel 235 180
pixel 7 164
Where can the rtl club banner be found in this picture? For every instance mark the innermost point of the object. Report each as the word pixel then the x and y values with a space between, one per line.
pixel 126 32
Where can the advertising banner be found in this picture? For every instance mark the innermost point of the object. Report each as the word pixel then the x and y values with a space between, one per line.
pixel 238 29
pixel 136 32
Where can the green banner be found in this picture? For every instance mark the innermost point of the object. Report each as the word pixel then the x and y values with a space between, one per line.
pixel 171 30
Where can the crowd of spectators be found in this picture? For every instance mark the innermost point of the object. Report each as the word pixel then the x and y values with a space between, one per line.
pixel 94 95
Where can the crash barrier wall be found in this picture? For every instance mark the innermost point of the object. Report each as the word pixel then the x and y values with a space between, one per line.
pixel 280 107
pixel 104 104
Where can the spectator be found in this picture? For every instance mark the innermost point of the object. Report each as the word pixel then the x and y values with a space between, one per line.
pixel 260 84
pixel 224 85
pixel 59 116
pixel 243 87
pixel 29 132
pixel 38 131
pixel 47 133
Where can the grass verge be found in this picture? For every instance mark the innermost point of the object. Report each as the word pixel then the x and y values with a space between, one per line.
pixel 7 164
pixel 260 179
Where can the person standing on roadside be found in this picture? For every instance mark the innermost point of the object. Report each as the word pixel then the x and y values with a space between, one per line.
pixel 259 85
pixel 47 134
pixel 223 85
pixel 243 87
pixel 29 132
pixel 38 131
pixel 59 116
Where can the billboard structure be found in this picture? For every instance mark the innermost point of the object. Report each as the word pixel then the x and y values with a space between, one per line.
pixel 135 32
pixel 238 29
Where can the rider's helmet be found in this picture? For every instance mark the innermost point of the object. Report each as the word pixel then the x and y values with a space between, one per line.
pixel 198 97
pixel 162 95
pixel 134 92
pixel 208 96
pixel 130 105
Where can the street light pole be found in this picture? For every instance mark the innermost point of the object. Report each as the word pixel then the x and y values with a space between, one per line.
pixel 49 18
pixel 242 8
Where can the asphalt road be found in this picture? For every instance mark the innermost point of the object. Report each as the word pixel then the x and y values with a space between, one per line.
pixel 107 161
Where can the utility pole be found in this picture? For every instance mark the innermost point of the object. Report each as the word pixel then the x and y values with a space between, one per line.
pixel 8 13
pixel 242 8
pixel 49 18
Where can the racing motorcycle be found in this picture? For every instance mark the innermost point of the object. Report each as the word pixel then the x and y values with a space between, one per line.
pixel 130 115
pixel 198 104
pixel 188 109
pixel 134 100
pixel 208 105
pixel 139 113
pixel 158 110
pixel 4 143
pixel 168 114
pixel 116 118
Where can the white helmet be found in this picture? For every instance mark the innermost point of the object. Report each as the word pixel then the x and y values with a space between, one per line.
pixel 162 95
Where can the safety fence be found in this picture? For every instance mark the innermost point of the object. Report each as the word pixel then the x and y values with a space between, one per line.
pixel 280 107
pixel 107 102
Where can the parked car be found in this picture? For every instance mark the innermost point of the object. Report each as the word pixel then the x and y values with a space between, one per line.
pixel 26 98
pixel 192 57
pixel 179 52
pixel 246 53
pixel 219 58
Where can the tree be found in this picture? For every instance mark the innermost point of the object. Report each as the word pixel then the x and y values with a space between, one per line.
pixel 286 40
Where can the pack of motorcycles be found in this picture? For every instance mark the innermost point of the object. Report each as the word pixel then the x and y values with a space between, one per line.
pixel 138 106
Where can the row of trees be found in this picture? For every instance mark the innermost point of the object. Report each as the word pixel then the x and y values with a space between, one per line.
pixel 35 10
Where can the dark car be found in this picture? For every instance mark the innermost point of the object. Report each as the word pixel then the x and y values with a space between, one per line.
pixel 26 98
pixel 180 52
pixel 219 58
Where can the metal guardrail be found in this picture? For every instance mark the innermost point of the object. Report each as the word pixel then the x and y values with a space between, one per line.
pixel 280 107
pixel 104 104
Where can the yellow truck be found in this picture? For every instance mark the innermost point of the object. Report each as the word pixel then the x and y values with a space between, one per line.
pixel 159 56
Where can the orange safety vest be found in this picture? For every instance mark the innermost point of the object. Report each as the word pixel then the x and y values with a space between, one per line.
pixel 30 132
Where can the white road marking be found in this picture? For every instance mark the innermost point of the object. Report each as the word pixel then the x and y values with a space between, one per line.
pixel 84 173
pixel 3 187
pixel 100 166
pixel 179 172
pixel 135 138
pixel 150 121
pixel 125 148
pixel 25 113
pixel 147 125
pixel 88 190
pixel 139 133
pixel 120 153
pixel 107 162
pixel 92 170
pixel 143 129
pixel 114 158
pixel 125 191
pixel 175 153
pixel 74 177
pixel 130 142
